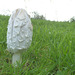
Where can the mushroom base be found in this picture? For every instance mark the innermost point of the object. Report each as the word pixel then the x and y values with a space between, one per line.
pixel 16 59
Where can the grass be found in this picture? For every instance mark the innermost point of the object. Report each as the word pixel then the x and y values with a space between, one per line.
pixel 52 51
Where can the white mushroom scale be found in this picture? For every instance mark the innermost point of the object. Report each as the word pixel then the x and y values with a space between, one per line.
pixel 19 34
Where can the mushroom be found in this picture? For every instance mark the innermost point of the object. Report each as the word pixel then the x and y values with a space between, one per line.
pixel 19 34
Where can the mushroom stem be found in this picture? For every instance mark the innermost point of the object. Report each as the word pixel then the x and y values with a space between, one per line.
pixel 16 58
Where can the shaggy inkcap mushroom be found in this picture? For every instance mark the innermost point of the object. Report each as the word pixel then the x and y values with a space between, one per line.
pixel 19 34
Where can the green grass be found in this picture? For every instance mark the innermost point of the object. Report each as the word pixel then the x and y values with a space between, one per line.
pixel 52 51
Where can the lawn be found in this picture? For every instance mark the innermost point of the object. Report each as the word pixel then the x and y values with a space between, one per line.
pixel 52 51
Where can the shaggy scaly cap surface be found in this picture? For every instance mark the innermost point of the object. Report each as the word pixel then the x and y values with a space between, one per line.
pixel 20 31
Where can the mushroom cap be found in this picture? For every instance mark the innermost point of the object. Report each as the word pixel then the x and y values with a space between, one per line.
pixel 20 31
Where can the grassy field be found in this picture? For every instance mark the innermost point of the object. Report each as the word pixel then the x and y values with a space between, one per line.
pixel 52 51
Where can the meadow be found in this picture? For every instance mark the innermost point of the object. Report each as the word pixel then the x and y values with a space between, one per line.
pixel 52 51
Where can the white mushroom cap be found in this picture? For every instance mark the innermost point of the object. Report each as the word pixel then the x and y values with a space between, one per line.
pixel 20 31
